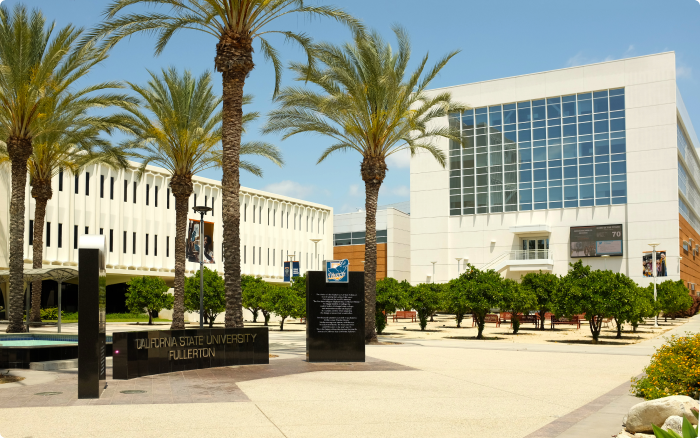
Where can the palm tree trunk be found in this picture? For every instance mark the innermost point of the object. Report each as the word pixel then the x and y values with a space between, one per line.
pixel 373 172
pixel 41 192
pixel 19 149
pixel 182 189
pixel 234 59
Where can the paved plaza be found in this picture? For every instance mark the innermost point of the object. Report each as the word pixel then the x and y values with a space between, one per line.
pixel 415 388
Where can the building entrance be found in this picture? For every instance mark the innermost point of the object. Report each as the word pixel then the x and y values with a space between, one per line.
pixel 535 248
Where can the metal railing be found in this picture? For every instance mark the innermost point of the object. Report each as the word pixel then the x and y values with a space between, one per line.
pixel 530 254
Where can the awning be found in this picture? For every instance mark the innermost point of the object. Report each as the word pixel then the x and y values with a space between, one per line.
pixel 56 274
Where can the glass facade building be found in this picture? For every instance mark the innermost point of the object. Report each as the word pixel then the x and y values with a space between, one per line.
pixel 356 238
pixel 556 152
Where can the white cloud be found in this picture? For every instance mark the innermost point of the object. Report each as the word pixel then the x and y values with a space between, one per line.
pixel 354 190
pixel 581 59
pixel 400 191
pixel 683 71
pixel 399 160
pixel 290 188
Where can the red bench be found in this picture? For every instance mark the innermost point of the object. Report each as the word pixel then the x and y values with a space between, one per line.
pixel 404 314
pixel 574 320
pixel 507 316
pixel 491 317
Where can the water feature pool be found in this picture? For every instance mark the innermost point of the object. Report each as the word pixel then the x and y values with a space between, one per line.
pixel 33 343
pixel 18 350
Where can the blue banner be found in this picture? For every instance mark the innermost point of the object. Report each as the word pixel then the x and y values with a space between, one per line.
pixel 287 271
pixel 295 269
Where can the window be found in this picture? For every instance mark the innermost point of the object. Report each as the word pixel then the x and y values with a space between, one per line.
pixel 195 199
pixel 77 180
pixel 260 255
pixel 75 237
pixel 133 244
pixel 134 194
pixel 167 246
pixel 260 215
pixel 213 199
pixel 87 183
pixel 167 201
pixel 60 235
pixel 87 230
pixel 48 234
pixel 245 211
pixel 206 200
pixel 111 240
pixel 253 218
pixel 244 254
pixel 155 196
pixel 148 189
pixel 124 243
pixel 287 220
pixel 268 218
pixel 126 187
pixel 273 217
pixel 101 231
pixel 111 187
pixel 155 244
pixel 102 186
pixel 60 180
pixel 268 257
pixel 146 243
pixel 253 252
pixel 31 232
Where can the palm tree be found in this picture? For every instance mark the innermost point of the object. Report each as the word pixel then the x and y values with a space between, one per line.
pixel 236 25
pixel 369 103
pixel 184 137
pixel 37 68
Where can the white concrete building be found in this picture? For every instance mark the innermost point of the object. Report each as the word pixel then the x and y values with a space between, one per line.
pixel 138 220
pixel 393 240
pixel 607 144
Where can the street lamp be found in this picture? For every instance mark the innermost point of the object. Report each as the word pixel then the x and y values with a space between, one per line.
pixel 653 270
pixel 315 241
pixel 202 211
pixel 433 277
pixel 459 259
pixel 605 260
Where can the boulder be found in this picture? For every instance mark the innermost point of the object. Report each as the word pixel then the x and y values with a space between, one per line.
pixel 642 415
pixel 674 423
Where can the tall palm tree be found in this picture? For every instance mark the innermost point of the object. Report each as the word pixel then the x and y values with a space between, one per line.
pixel 371 104
pixel 37 68
pixel 182 133
pixel 236 25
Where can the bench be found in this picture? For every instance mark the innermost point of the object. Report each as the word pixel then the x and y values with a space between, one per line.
pixel 491 317
pixel 574 320
pixel 508 317
pixel 404 314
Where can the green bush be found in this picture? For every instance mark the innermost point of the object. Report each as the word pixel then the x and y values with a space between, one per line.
pixel 149 293
pixel 251 293
pixel 674 370
pixel 673 297
pixel 516 299
pixel 544 285
pixel 284 301
pixel 214 295
pixel 481 291
pixel 391 295
pixel 425 298
pixel 689 431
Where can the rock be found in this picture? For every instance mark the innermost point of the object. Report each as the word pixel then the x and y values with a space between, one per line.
pixel 674 423
pixel 642 415
pixel 624 434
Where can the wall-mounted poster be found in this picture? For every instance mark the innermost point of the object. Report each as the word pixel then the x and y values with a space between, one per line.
pixel 193 242
pixel 660 264
pixel 596 241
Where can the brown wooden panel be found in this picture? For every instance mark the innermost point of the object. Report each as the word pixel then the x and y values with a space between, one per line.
pixel 690 264
pixel 356 254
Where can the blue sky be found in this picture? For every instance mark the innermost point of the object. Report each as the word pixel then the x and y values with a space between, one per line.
pixel 497 39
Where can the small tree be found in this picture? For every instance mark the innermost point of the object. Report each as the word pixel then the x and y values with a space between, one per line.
pixel 643 307
pixel 251 292
pixel 482 291
pixel 214 295
pixel 672 297
pixel 148 293
pixel 455 300
pixel 284 302
pixel 390 296
pixel 517 299
pixel 621 300
pixel 298 286
pixel 425 299
pixel 544 285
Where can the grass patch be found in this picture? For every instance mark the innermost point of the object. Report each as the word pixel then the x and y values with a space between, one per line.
pixel 10 379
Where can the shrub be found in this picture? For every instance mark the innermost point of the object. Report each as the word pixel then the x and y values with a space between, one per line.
pixel 425 299
pixel 391 295
pixel 482 291
pixel 544 285
pixel 284 302
pixel 214 295
pixel 674 369
pixel 150 293
pixel 455 300
pixel 251 288
pixel 517 299
pixel 49 314
pixel 673 297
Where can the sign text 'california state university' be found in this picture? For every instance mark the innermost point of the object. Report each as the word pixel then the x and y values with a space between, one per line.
pixel 137 354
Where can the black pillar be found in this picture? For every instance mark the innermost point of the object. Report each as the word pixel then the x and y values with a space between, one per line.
pixel 91 322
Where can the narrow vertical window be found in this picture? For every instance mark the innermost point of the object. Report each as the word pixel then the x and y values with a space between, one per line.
pixel 268 257
pixel 273 257
pixel 101 231
pixel 148 189
pixel 155 244
pixel 260 215
pixel 75 237
pixel 60 180
pixel 253 214
pixel 87 183
pixel 287 220
pixel 146 243
pixel 253 252
pixel 111 240
pixel 206 200
pixel 274 218
pixel 87 230
pixel 124 243
pixel 167 246
pixel 111 187
pixel 245 212
pixel 134 192
pixel 260 255
pixel 126 189
pixel 48 234
pixel 213 201
pixel 102 186
pixel 133 244
pixel 60 235
pixel 195 199
pixel 155 196
pixel 268 216
pixel 244 254
pixel 31 232
pixel 167 202
pixel 77 181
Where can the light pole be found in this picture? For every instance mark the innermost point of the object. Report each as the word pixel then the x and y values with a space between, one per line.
pixel 433 277
pixel 653 270
pixel 202 211
pixel 459 259
pixel 605 260
pixel 315 241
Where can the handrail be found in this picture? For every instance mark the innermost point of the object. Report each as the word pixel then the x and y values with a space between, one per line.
pixel 519 254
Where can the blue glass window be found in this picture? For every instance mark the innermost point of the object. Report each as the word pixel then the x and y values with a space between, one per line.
pixel 602 169
pixel 570 172
pixel 618 157
pixel 586 191
pixel 553 110
pixel 525 155
pixel 540 195
pixel 602 126
pixel 523 115
pixel 525 104
pixel 600 105
pixel 538 112
pixel 617 145
pixel 618 167
pixel 617 124
pixel 525 176
pixel 585 128
pixel 602 147
pixel 554 132
pixel 568 109
pixel 495 119
pixel 468 120
pixel 539 154
pixel 524 136
pixel 602 190
pixel 585 107
pixel 481 110
pixel 540 175
pixel 603 93
pixel 569 130
pixel 481 120
pixel 602 158
pixel 569 150
pixel 539 134
pixel 555 194
pixel 509 116
pixel 617 103
pixel 585 170
pixel 585 149
pixel 619 189
pixel 526 196
pixel 617 92
pixel 468 181
pixel 570 193
pixel 554 173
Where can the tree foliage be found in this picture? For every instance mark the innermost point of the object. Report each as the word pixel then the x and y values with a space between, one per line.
pixel 516 299
pixel 150 293
pixel 214 295
pixel 391 295
pixel 543 285
pixel 482 291
pixel 425 298
pixel 253 289
pixel 284 302
pixel 672 297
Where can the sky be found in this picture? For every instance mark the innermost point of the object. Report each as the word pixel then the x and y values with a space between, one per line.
pixel 497 39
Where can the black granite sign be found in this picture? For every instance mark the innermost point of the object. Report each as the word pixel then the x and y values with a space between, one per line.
pixel 91 324
pixel 335 330
pixel 137 354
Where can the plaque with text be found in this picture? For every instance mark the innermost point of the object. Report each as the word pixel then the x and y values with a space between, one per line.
pixel 335 318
